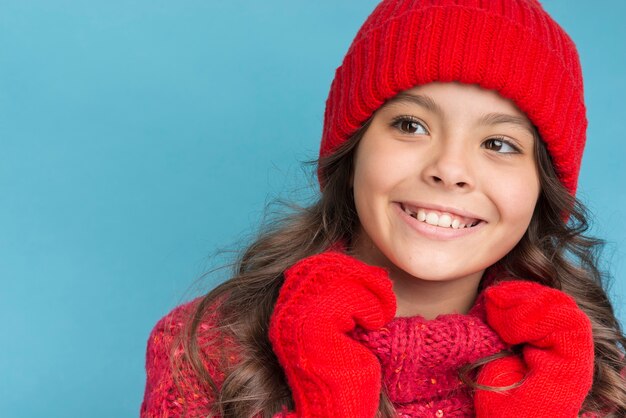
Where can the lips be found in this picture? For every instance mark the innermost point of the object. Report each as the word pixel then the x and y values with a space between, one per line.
pixel 442 218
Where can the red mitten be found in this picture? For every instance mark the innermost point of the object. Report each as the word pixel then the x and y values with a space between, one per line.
pixel 323 298
pixel 557 352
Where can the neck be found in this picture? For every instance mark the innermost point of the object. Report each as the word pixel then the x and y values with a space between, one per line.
pixel 429 298
pixel 418 296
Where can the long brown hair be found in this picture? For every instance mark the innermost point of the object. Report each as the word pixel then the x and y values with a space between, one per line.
pixel 552 252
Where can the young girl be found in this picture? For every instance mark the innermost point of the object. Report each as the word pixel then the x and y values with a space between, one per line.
pixel 443 272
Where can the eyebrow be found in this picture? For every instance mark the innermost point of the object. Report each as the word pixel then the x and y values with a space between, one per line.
pixel 418 99
pixel 487 119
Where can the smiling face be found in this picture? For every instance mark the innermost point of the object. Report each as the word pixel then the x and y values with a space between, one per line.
pixel 452 155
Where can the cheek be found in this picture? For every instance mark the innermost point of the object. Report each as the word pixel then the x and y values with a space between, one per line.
pixel 516 197
pixel 380 179
pixel 377 173
pixel 368 186
pixel 379 167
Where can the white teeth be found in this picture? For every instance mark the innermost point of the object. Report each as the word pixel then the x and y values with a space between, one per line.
pixel 432 219
pixel 445 221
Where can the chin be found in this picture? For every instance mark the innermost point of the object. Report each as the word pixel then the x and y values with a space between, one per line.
pixel 430 276
pixel 428 270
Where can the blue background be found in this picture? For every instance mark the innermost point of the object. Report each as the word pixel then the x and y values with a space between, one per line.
pixel 138 137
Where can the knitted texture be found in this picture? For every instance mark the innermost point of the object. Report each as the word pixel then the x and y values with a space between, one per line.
pixel 558 353
pixel 415 355
pixel 421 360
pixel 164 365
pixel 511 46
pixel 396 345
pixel 324 297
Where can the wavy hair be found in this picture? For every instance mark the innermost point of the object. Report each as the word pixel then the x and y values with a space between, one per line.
pixel 552 252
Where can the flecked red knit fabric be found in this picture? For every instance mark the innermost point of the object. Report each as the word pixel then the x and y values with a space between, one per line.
pixel 164 362
pixel 419 360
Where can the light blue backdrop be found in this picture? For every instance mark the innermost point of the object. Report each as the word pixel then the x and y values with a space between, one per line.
pixel 137 137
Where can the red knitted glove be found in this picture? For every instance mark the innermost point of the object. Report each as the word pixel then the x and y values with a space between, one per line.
pixel 323 298
pixel 558 355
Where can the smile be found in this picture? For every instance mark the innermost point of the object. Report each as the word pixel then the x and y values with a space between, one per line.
pixel 439 218
pixel 442 225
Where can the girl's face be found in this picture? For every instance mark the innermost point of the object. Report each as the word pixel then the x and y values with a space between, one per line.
pixel 460 159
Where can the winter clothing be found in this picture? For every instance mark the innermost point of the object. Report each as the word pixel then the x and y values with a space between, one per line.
pixel 511 46
pixel 558 353
pixel 323 298
pixel 335 364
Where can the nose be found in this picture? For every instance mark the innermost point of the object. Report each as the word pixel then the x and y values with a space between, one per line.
pixel 449 167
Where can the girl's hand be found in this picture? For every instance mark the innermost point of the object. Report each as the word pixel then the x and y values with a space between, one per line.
pixel 558 354
pixel 324 297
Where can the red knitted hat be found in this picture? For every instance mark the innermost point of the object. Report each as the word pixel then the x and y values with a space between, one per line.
pixel 511 46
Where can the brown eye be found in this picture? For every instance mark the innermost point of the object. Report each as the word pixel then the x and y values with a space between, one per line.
pixel 409 126
pixel 501 146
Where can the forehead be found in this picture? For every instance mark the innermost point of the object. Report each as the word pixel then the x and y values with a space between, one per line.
pixel 438 95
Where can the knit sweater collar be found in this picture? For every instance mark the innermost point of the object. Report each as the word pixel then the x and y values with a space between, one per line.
pixel 420 359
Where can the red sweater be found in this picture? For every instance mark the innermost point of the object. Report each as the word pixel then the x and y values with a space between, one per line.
pixel 420 360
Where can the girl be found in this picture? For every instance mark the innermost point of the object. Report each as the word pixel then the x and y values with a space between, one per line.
pixel 443 272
